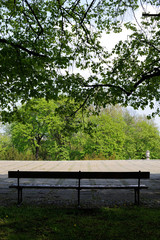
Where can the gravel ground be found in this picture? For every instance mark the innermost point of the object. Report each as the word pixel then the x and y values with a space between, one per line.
pixel 89 198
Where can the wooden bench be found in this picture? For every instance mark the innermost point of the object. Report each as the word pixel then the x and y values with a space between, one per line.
pixel 79 185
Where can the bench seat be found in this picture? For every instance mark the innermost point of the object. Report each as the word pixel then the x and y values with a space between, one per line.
pixel 81 187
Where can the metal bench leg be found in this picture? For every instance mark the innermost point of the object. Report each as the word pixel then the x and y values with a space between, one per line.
pixel 79 184
pixel 137 196
pixel 19 195
pixel 78 197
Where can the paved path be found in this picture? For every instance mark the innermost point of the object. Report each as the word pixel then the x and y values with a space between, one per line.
pixel 94 198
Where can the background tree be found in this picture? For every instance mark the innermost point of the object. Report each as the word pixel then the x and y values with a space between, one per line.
pixel 42 130
pixel 9 152
pixel 130 141
pixel 115 134
pixel 4 145
pixel 39 126
pixel 41 42
pixel 107 139
pixel 141 135
pixel 146 138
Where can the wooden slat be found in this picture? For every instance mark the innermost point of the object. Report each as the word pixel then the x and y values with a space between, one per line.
pixel 81 187
pixel 114 175
pixel 44 186
pixel 112 186
pixel 42 174
pixel 76 175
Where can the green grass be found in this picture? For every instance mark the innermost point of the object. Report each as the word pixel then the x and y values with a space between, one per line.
pixel 44 223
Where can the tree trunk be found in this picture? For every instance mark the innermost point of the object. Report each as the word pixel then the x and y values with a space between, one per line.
pixel 37 153
pixel 38 145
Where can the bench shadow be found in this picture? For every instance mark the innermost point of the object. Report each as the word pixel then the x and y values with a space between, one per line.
pixel 89 198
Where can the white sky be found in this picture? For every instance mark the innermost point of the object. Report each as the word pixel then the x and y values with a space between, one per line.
pixel 146 111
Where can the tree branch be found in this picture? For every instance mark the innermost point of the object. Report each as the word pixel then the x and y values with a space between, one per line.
pixel 88 9
pixel 151 14
pixel 16 45
pixel 29 22
pixel 108 85
pixel 41 31
pixel 75 5
pixel 60 8
pixel 81 106
pixel 150 44
pixel 87 33
pixel 144 78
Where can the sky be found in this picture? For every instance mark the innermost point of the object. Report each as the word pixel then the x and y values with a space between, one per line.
pixel 145 112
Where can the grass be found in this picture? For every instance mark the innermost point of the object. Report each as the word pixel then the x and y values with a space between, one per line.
pixel 45 223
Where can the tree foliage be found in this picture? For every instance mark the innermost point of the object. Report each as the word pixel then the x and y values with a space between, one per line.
pixel 42 131
pixel 106 139
pixel 41 42
pixel 141 135
pixel 116 134
pixel 40 127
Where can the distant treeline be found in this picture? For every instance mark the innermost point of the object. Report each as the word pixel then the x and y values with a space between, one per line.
pixel 47 131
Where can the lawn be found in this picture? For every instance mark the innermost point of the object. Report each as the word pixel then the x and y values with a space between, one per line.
pixel 44 223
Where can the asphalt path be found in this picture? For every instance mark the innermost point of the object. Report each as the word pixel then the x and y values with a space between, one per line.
pixel 89 198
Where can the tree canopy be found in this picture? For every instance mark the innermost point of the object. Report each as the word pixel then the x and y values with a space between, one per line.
pixel 41 131
pixel 39 126
pixel 51 47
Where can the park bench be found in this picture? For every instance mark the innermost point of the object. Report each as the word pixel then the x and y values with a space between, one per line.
pixel 79 185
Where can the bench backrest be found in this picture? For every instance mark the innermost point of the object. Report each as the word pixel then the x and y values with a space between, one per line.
pixel 79 175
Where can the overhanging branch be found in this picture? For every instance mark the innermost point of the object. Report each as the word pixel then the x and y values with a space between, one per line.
pixel 145 77
pixel 151 14
pixel 16 45
pixel 150 44
pixel 88 9
pixel 81 106
pixel 37 20
pixel 75 5
pixel 107 85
